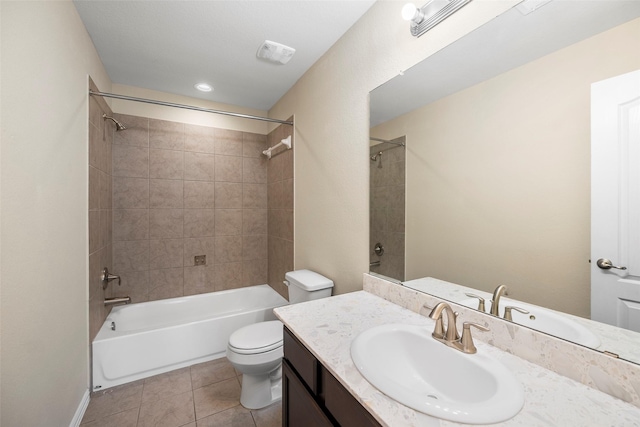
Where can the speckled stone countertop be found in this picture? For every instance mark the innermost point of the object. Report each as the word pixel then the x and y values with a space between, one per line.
pixel 327 327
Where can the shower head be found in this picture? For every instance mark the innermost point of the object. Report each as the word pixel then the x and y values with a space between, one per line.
pixel 119 126
pixel 375 156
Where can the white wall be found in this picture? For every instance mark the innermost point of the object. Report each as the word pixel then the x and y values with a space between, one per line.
pixel 331 107
pixel 47 56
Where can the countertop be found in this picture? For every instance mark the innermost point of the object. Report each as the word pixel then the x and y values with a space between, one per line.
pixel 327 327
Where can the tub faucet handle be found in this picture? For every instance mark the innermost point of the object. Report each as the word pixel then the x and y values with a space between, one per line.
pixel 107 277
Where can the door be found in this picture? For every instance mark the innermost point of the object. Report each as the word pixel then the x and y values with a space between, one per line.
pixel 615 201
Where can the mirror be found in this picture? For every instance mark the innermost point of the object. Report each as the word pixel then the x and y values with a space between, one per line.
pixel 497 129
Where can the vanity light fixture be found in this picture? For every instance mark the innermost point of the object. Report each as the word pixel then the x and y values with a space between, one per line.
pixel 431 14
pixel 203 87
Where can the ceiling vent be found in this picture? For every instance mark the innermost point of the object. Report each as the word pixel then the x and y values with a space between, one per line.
pixel 275 52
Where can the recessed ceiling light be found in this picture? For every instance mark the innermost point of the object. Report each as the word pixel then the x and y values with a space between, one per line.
pixel 203 87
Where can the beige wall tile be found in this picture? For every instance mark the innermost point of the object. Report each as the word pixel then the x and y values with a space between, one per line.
pixel 137 133
pixel 166 223
pixel 254 247
pixel 287 164
pixel 199 279
pixel 130 256
pixel 199 138
pixel 287 224
pixel 275 195
pixel 130 161
pixel 255 272
pixel 228 195
pixel 166 283
pixel 199 166
pixel 228 168
pixel 166 135
pixel 94 231
pixel 96 146
pixel 166 164
pixel 254 170
pixel 228 249
pixel 275 172
pixel 166 253
pixel 165 193
pixel 254 221
pixel 135 284
pixel 131 224
pixel 199 246
pixel 253 144
pixel 104 183
pixel 228 221
pixel 130 193
pixel 254 196
pixel 199 194
pixel 228 276
pixel 94 188
pixel 228 142
pixel 199 222
pixel 287 194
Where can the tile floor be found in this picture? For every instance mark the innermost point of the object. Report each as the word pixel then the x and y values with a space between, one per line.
pixel 204 395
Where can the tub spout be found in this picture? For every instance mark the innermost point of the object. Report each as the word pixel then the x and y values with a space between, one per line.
pixel 117 300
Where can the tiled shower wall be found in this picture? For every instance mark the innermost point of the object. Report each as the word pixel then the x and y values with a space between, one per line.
pixel 280 204
pixel 181 191
pixel 100 213
pixel 387 208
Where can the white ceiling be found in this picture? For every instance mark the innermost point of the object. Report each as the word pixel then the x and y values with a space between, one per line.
pixel 171 45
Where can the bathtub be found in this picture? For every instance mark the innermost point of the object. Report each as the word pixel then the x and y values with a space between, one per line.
pixel 140 340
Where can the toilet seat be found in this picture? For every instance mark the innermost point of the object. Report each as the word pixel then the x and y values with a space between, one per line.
pixel 257 338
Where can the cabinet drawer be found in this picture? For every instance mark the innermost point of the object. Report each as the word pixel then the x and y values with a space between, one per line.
pixel 299 409
pixel 303 362
pixel 342 406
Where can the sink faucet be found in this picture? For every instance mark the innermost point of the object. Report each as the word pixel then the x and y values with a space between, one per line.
pixel 439 333
pixel 495 302
pixel 450 337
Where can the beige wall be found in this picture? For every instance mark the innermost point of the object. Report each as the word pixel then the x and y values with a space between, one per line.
pixel 498 175
pixel 47 57
pixel 331 106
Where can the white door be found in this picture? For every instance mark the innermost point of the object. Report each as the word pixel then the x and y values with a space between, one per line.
pixel 615 201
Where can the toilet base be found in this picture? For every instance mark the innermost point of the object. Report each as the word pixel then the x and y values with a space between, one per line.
pixel 259 391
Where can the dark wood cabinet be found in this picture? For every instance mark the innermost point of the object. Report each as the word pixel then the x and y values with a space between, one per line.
pixel 312 396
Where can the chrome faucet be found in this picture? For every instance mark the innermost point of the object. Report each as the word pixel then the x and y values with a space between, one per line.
pixel 450 337
pixel 106 277
pixel 117 300
pixel 495 301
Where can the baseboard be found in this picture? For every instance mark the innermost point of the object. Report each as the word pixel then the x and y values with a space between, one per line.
pixel 77 418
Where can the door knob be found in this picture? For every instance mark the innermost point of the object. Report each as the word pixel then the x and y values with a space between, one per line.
pixel 606 264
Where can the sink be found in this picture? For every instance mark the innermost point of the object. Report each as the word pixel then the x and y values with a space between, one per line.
pixel 408 365
pixel 544 320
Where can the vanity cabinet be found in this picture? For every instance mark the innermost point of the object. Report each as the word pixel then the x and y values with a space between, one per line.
pixel 312 396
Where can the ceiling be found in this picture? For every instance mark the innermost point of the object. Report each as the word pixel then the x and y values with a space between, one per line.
pixel 169 46
pixel 506 42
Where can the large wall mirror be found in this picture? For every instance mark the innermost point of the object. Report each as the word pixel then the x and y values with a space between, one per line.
pixel 497 132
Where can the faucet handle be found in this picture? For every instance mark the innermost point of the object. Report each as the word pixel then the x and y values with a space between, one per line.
pixel 507 312
pixel 106 277
pixel 480 300
pixel 467 340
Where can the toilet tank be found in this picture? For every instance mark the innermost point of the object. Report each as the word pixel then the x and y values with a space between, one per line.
pixel 307 285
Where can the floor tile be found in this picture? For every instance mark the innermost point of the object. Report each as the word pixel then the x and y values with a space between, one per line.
pixel 127 418
pixel 167 384
pixel 234 417
pixel 113 401
pixel 271 416
pixel 211 372
pixel 216 397
pixel 172 411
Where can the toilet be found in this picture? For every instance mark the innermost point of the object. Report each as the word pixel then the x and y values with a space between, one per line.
pixel 256 349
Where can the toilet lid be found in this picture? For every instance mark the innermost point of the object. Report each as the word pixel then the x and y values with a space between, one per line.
pixel 257 337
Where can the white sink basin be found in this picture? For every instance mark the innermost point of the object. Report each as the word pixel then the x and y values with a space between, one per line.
pixel 544 320
pixel 408 365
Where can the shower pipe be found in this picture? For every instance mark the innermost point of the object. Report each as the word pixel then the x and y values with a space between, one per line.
pixel 189 107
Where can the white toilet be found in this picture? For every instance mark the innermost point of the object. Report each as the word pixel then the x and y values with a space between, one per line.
pixel 256 349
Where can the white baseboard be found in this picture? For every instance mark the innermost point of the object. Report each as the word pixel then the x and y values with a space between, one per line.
pixel 77 418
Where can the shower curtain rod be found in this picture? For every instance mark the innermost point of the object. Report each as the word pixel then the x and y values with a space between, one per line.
pixel 189 107
pixel 386 140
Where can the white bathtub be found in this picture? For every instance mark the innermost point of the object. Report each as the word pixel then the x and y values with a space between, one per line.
pixel 155 337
